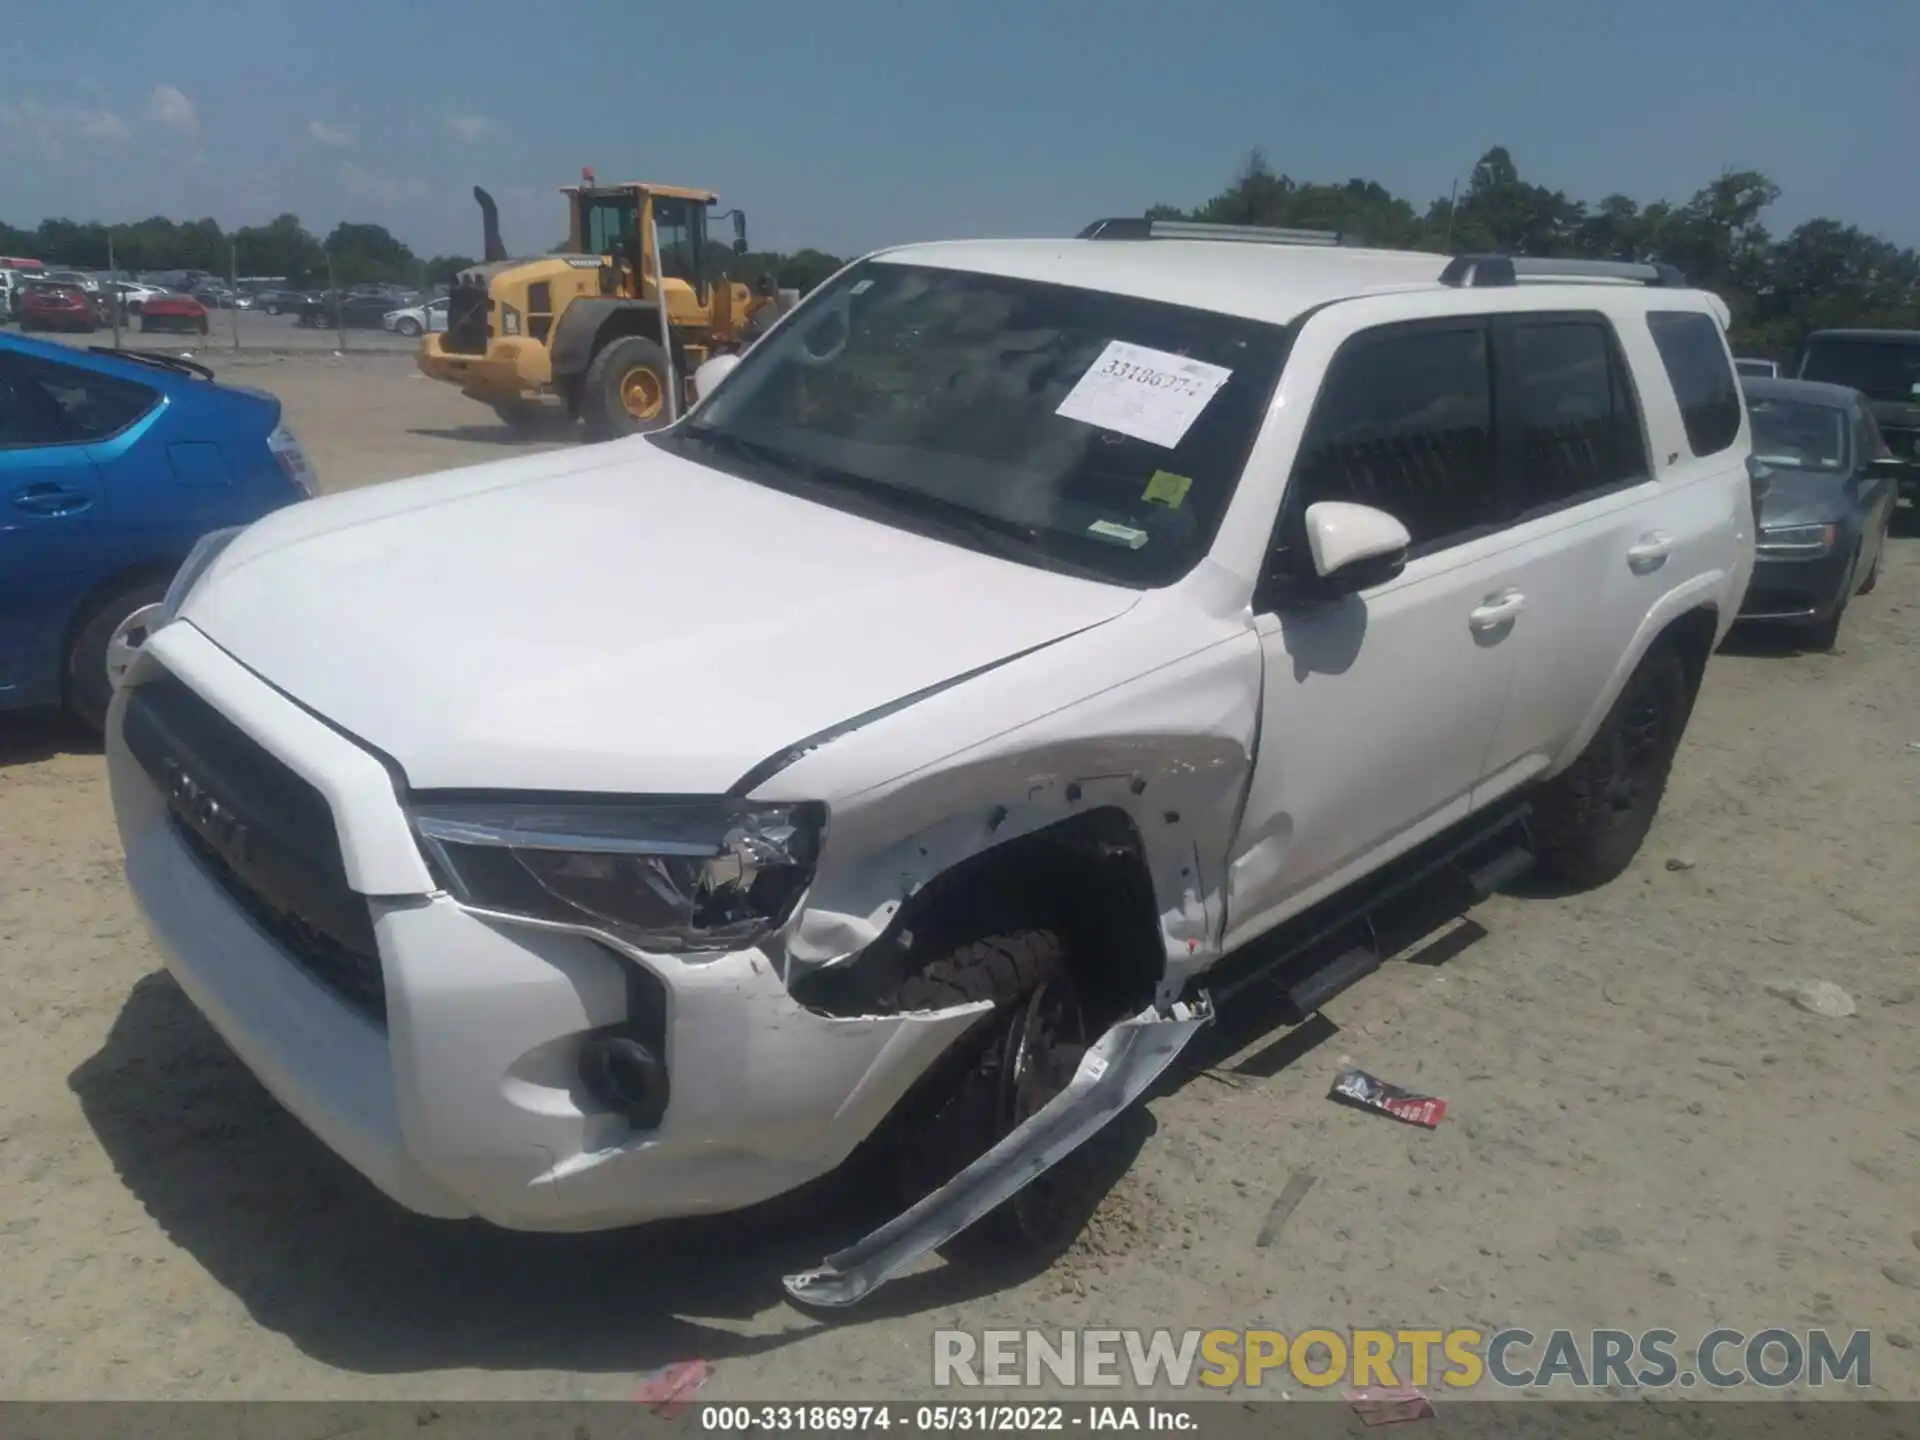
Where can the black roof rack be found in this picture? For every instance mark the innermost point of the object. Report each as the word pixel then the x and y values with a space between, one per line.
pixel 1138 227
pixel 1479 271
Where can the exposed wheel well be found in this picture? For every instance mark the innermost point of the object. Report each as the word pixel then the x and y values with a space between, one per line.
pixel 1085 877
pixel 1692 634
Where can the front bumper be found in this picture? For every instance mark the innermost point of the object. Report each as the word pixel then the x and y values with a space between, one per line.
pixel 466 1102
pixel 508 370
pixel 1797 591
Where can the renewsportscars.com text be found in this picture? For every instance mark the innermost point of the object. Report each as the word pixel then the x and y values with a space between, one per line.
pixel 1458 1359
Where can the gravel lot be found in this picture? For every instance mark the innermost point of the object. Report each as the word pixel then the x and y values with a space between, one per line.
pixel 1640 1133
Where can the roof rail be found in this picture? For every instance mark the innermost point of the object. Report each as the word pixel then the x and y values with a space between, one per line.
pixel 1479 271
pixel 1138 227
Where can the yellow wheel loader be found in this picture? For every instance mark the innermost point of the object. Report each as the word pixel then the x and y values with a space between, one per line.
pixel 612 328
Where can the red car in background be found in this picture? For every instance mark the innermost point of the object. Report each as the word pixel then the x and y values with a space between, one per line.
pixel 173 312
pixel 56 307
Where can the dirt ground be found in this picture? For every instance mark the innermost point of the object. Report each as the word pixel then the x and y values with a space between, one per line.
pixel 1641 1134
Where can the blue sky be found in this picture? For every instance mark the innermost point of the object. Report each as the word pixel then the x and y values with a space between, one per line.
pixel 849 124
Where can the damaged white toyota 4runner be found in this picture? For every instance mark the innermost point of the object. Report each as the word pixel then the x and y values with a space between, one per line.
pixel 1018 633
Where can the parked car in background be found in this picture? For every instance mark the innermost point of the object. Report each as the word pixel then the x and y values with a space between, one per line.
pixel 279 302
pixel 111 468
pixel 417 319
pixel 362 311
pixel 133 295
pixel 1884 366
pixel 1828 489
pixel 1749 365
pixel 78 278
pixel 180 313
pixel 55 305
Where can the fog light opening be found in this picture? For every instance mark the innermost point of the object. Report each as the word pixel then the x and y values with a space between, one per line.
pixel 626 1077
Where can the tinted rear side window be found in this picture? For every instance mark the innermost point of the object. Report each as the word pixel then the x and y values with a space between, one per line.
pixel 1404 423
pixel 46 403
pixel 1579 427
pixel 1696 362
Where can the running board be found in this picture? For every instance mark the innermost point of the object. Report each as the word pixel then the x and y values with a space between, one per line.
pixel 1486 855
pixel 1119 1068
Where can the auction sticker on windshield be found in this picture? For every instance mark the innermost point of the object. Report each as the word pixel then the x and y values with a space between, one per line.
pixel 1147 394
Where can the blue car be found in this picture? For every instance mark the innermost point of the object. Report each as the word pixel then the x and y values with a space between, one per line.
pixel 112 464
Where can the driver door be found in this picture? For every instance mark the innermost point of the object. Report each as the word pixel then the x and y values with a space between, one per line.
pixel 1379 707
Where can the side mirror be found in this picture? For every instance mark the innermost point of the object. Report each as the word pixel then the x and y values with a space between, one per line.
pixel 1355 546
pixel 712 373
pixel 1889 467
pixel 1759 479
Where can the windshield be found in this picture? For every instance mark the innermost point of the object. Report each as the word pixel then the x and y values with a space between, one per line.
pixel 1799 436
pixel 1063 427
pixel 1882 369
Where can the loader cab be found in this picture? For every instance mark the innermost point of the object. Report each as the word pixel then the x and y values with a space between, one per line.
pixel 614 220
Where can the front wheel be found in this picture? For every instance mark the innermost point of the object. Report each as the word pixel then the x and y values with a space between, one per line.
pixel 1023 1054
pixel 625 390
pixel 113 629
pixel 409 328
pixel 1591 819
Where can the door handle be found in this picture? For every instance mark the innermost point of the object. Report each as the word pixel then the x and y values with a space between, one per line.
pixel 50 500
pixel 1496 610
pixel 1651 552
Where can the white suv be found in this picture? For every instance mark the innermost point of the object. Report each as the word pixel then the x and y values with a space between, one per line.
pixel 1021 630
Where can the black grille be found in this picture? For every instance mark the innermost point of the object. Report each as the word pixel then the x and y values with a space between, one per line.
pixel 263 834
pixel 468 327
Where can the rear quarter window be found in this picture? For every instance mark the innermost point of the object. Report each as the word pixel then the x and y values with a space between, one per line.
pixel 1703 382
pixel 46 403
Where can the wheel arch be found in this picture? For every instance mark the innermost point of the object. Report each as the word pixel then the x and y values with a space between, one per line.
pixel 1688 618
pixel 589 325
pixel 1086 876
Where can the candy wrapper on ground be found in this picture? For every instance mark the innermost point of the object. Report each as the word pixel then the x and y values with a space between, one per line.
pixel 1359 1088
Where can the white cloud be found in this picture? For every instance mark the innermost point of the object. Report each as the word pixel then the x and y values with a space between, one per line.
pixel 33 124
pixel 468 127
pixel 332 136
pixel 169 107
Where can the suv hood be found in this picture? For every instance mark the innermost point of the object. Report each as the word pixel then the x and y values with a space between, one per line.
pixel 611 618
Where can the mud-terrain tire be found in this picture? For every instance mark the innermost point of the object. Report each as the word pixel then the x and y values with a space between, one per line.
pixel 1010 1065
pixel 1590 820
pixel 625 390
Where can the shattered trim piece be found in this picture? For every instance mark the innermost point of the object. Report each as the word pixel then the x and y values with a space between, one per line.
pixel 1116 1071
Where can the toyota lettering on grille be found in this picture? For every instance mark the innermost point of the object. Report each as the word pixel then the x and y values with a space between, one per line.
pixel 213 821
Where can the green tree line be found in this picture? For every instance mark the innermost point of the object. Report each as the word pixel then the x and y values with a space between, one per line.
pixel 358 253
pixel 1821 273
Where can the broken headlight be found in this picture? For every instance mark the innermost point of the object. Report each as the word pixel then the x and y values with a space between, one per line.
pixel 664 875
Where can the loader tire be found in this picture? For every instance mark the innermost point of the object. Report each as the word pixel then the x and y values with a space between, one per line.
pixel 625 390
pixel 1019 1057
pixel 1590 820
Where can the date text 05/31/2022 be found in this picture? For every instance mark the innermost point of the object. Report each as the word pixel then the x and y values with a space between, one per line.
pixel 939 1419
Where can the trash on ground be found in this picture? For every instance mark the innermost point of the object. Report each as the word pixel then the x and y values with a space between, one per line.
pixel 1679 862
pixel 1822 997
pixel 1389 1404
pixel 1291 1194
pixel 671 1386
pixel 1359 1088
